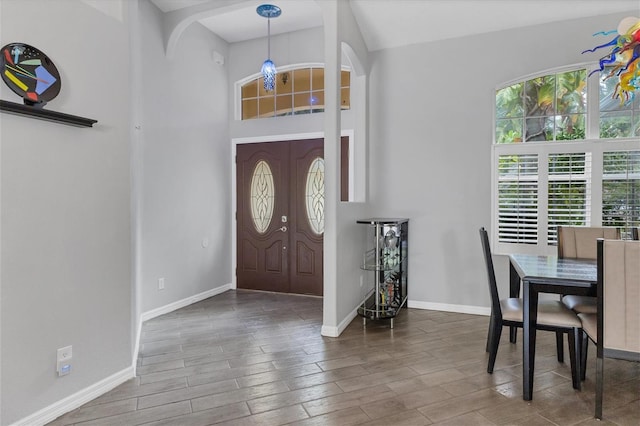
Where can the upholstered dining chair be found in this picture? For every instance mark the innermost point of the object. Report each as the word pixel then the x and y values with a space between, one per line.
pixel 579 242
pixel 552 316
pixel 615 328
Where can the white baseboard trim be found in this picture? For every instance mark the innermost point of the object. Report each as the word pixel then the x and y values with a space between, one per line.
pixel 336 331
pixel 182 303
pixel 74 401
pixel 445 307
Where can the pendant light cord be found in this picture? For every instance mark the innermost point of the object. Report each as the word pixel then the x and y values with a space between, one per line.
pixel 268 38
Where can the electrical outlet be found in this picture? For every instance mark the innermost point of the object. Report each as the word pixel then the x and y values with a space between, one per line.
pixel 63 360
pixel 160 283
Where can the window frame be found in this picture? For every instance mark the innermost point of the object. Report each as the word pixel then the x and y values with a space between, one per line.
pixel 591 144
pixel 237 89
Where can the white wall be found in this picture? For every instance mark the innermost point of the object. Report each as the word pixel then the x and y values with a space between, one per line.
pixel 65 267
pixel 185 164
pixel 431 135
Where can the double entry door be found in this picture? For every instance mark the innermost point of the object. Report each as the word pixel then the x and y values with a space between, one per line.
pixel 280 216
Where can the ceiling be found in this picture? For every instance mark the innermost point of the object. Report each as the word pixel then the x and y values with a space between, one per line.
pixel 393 23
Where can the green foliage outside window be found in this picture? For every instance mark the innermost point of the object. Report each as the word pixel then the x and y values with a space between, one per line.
pixel 551 107
pixel 509 114
pixel 617 120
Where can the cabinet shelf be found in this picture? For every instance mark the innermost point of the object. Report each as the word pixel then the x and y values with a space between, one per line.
pixel 368 308
pixel 386 261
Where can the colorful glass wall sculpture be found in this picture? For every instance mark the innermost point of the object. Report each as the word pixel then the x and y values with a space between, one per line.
pixel 623 57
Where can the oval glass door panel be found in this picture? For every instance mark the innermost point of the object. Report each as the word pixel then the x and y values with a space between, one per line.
pixel 262 196
pixel 314 195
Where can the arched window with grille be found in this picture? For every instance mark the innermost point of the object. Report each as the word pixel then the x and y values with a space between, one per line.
pixel 297 91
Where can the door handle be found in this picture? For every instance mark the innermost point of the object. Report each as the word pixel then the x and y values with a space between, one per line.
pixel 283 229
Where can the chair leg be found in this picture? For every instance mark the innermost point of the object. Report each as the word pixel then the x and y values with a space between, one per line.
pixel 575 341
pixel 583 356
pixel 560 345
pixel 599 386
pixel 513 332
pixel 489 334
pixel 495 341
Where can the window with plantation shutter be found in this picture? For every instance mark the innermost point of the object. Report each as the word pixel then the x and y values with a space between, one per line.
pixel 621 190
pixel 566 151
pixel 569 194
pixel 518 199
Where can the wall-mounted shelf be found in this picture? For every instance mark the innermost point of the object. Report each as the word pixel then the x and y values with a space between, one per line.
pixel 44 114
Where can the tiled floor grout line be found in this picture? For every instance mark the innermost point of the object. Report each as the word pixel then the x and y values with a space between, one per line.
pixel 288 369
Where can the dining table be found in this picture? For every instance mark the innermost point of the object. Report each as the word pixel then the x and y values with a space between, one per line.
pixel 535 274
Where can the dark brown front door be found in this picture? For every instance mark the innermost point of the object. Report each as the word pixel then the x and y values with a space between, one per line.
pixel 280 216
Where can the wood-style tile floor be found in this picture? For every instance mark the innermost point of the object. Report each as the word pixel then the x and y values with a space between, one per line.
pixel 254 358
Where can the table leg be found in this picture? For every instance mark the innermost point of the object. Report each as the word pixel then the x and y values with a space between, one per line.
pixel 530 308
pixel 514 291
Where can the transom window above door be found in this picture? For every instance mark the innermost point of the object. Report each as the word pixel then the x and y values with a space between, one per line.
pixel 297 91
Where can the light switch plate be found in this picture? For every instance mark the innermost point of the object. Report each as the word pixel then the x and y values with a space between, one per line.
pixel 65 353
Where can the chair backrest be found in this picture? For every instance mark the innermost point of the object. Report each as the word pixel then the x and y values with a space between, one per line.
pixel 491 275
pixel 579 242
pixel 619 296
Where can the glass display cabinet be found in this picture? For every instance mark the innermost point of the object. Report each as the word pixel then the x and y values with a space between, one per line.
pixel 385 259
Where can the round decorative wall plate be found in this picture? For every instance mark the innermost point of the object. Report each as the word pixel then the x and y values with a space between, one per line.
pixel 29 73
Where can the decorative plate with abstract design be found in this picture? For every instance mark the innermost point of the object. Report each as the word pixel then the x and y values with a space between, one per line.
pixel 29 73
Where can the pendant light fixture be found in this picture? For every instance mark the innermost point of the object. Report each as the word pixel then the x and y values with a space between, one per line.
pixel 268 67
